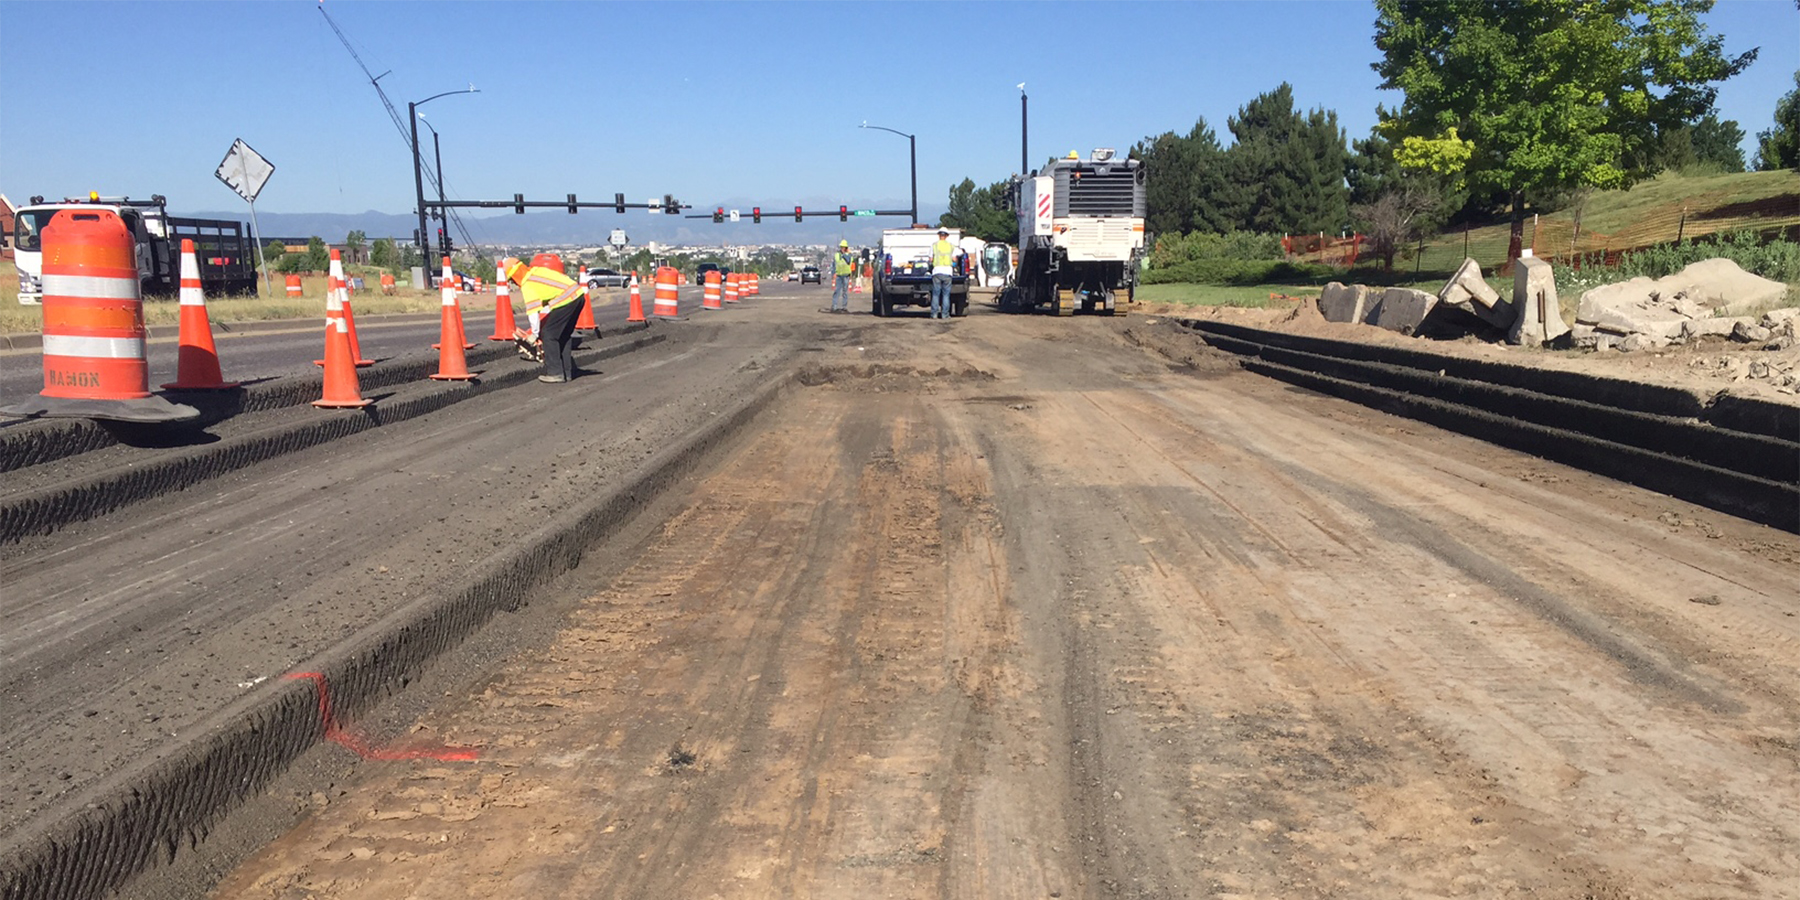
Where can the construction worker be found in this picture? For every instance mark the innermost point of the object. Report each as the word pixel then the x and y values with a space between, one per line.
pixel 943 268
pixel 845 270
pixel 557 298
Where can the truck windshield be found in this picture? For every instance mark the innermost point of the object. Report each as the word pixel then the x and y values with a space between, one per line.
pixel 27 226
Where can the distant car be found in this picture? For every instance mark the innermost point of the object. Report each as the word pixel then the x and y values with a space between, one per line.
pixel 793 276
pixel 605 278
pixel 811 274
pixel 703 268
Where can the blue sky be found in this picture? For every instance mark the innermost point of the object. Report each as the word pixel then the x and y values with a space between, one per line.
pixel 718 103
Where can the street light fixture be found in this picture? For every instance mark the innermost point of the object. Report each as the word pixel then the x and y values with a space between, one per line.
pixel 412 114
pixel 912 152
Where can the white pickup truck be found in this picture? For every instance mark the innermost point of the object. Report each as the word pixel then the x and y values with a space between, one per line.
pixel 903 271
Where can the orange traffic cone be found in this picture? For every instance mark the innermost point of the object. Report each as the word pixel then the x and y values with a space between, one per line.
pixel 341 389
pixel 635 312
pixel 199 366
pixel 585 318
pixel 448 291
pixel 504 325
pixel 343 285
pixel 452 366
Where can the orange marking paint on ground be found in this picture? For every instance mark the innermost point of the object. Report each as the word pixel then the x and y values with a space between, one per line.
pixel 356 744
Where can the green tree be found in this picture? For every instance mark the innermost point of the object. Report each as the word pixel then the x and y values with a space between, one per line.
pixel 1184 180
pixel 981 212
pixel 1286 170
pixel 354 242
pixel 1779 147
pixel 1526 97
pixel 383 254
pixel 1708 144
pixel 318 256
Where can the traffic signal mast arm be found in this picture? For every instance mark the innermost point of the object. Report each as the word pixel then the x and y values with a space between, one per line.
pixel 843 213
pixel 519 204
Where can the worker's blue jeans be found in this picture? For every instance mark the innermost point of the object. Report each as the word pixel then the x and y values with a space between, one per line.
pixel 840 292
pixel 940 296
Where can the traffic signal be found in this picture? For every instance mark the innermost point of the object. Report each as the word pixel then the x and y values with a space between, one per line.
pixel 571 204
pixel 756 214
pixel 796 213
pixel 843 214
pixel 618 203
pixel 719 215
pixel 519 204
pixel 670 207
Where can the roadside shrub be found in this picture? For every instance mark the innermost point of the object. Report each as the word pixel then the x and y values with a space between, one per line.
pixel 1175 249
pixel 1239 272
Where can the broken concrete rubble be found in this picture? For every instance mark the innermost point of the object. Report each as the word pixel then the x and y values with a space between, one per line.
pixel 1691 304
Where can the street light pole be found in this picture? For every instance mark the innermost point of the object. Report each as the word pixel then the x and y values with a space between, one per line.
pixel 412 113
pixel 912 153
pixel 437 154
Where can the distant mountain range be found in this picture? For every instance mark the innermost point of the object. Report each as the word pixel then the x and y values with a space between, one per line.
pixel 587 228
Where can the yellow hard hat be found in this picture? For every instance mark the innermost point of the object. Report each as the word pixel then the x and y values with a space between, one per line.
pixel 515 269
pixel 843 243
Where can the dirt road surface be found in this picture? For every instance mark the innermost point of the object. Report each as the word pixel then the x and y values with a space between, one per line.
pixel 1024 608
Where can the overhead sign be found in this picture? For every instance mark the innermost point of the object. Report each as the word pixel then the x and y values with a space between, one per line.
pixel 734 215
pixel 244 170
pixel 618 239
pixel 655 204
pixel 863 212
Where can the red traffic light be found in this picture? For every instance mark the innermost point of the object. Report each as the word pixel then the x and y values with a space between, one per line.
pixel 843 214
pixel 796 213
pixel 756 214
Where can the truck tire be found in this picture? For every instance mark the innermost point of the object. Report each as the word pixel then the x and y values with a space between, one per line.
pixel 959 305
pixel 879 303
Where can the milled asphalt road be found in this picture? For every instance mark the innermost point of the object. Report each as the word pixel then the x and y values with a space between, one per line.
pixel 121 632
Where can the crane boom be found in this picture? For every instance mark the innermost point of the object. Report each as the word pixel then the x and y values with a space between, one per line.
pixel 400 123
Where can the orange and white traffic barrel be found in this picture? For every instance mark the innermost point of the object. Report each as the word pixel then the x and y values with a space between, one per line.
pixel 731 287
pixel 755 284
pixel 293 286
pixel 93 314
pixel 667 304
pixel 709 296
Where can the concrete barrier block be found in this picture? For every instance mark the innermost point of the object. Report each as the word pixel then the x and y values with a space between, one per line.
pixel 1539 320
pixel 1713 326
pixel 1776 318
pixel 1624 293
pixel 1402 309
pixel 1468 277
pixel 1344 302
pixel 1663 323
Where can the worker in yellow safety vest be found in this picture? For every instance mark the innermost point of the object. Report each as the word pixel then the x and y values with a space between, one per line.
pixel 554 300
pixel 844 267
pixel 943 268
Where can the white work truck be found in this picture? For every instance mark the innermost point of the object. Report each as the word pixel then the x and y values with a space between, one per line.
pixel 903 271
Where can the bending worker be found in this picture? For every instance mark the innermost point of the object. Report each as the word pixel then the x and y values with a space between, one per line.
pixel 557 298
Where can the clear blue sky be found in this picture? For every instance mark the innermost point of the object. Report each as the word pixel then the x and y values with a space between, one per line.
pixel 718 103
